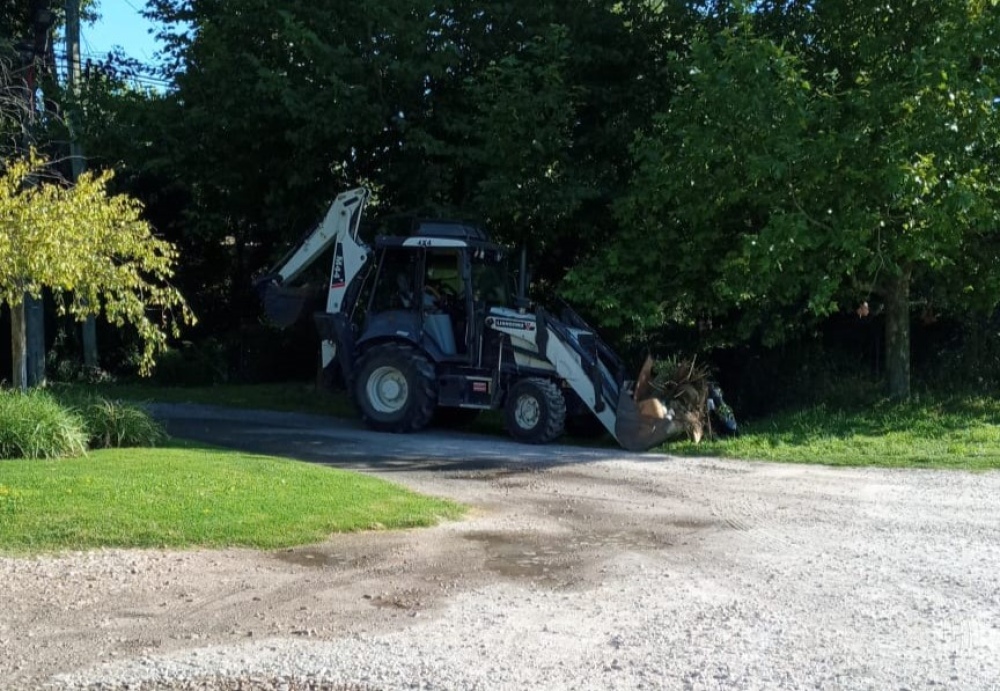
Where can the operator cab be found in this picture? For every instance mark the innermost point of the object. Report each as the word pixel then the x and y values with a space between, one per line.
pixel 435 288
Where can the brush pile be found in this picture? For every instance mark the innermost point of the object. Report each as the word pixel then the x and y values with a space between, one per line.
pixel 682 391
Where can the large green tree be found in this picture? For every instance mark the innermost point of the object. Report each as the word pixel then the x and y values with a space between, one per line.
pixel 515 112
pixel 814 159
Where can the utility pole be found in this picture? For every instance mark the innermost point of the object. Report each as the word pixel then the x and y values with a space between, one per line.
pixel 18 312
pixel 77 160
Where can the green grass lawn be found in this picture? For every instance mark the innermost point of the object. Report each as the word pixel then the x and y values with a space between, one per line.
pixel 959 433
pixel 187 496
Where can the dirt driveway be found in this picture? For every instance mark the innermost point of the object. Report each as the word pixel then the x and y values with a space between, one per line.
pixel 577 569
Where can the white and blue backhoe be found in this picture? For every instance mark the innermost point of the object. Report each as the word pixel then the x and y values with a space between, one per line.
pixel 427 322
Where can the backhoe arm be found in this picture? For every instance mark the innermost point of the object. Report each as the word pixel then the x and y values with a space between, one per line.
pixel 340 225
pixel 339 228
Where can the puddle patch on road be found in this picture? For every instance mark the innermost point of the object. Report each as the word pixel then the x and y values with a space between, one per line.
pixel 315 558
pixel 557 559
pixel 526 556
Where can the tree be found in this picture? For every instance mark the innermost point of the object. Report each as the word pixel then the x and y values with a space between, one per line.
pixel 517 113
pixel 797 174
pixel 91 249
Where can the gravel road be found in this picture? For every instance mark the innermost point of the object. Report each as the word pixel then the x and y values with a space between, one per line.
pixel 576 569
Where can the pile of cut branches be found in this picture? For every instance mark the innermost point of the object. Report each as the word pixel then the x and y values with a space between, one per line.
pixel 686 390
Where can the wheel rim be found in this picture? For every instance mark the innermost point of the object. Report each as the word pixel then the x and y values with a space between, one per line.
pixel 387 390
pixel 527 411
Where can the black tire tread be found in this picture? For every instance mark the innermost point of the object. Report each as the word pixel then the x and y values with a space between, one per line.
pixel 553 419
pixel 418 415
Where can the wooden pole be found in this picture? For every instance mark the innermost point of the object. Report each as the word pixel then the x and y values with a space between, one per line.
pixel 77 161
pixel 33 308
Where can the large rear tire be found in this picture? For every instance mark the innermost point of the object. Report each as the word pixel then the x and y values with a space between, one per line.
pixel 395 389
pixel 535 411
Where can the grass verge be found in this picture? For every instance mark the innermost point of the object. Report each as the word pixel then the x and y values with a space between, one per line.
pixel 958 433
pixel 189 496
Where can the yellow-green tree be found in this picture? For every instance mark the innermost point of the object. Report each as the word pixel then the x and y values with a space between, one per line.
pixel 91 249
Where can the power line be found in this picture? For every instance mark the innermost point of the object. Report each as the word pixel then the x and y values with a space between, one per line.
pixel 85 41
pixel 151 76
pixel 134 9
pixel 137 10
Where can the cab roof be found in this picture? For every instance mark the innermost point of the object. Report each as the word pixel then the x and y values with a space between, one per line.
pixel 440 233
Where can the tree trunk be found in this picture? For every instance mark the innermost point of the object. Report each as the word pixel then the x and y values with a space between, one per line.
pixel 19 347
pixel 90 358
pixel 897 335
pixel 34 320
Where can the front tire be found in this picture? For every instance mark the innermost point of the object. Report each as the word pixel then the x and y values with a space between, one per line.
pixel 535 411
pixel 395 389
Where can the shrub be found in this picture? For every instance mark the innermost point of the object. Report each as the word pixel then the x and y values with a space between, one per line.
pixel 112 424
pixel 36 425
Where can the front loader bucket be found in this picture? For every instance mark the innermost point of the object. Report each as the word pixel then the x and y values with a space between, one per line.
pixel 639 426
pixel 285 306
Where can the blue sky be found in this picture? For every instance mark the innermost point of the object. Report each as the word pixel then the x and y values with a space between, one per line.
pixel 120 24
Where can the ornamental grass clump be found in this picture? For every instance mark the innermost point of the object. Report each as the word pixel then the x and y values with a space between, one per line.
pixel 36 425
pixel 114 424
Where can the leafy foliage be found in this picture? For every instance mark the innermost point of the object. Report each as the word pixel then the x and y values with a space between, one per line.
pixel 92 250
pixel 515 113
pixel 734 170
pixel 802 171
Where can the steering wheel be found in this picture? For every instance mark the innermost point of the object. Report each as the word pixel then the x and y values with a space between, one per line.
pixel 441 292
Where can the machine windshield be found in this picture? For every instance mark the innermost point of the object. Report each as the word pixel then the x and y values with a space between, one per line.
pixel 490 280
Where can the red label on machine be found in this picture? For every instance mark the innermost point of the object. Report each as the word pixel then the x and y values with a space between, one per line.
pixel 480 387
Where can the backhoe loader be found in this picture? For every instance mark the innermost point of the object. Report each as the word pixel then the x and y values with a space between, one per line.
pixel 428 321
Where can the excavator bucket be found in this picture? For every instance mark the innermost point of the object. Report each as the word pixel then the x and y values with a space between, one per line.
pixel 642 421
pixel 641 426
pixel 285 306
